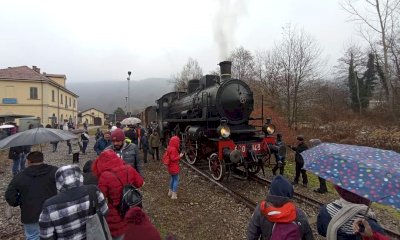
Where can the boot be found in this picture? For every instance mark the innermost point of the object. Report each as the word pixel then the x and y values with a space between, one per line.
pixel 169 193
pixel 174 196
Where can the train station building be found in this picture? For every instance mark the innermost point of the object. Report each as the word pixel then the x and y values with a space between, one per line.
pixel 92 116
pixel 26 91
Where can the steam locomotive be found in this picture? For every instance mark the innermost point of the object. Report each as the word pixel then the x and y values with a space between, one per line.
pixel 212 119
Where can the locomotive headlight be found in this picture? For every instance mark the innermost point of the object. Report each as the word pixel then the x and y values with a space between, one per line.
pixel 225 131
pixel 268 129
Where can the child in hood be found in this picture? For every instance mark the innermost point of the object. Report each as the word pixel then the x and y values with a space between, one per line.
pixel 173 156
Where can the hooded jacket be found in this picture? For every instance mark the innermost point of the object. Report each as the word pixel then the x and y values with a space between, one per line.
pixel 64 215
pixel 139 226
pixel 110 171
pixel 173 154
pixel 129 152
pixel 277 209
pixel 30 189
pixel 154 140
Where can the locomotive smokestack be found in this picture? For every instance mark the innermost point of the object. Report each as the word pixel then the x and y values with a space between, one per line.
pixel 225 70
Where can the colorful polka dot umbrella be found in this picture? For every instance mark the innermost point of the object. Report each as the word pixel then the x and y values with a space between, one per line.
pixel 369 172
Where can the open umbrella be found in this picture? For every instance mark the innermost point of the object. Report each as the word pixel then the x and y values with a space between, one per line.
pixel 131 121
pixel 36 136
pixel 6 126
pixel 368 172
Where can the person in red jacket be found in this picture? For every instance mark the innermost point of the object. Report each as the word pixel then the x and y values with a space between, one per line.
pixel 139 226
pixel 112 174
pixel 173 165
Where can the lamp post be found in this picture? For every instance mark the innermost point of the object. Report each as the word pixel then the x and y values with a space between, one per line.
pixel 129 107
pixel 126 105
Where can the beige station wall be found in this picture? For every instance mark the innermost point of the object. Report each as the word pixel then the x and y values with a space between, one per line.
pixel 53 101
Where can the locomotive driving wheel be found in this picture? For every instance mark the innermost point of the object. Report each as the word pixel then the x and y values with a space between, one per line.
pixel 217 167
pixel 191 151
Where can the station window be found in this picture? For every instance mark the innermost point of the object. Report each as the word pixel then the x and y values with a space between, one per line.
pixel 74 103
pixel 61 99
pixel 33 93
pixel 52 96
pixel 70 101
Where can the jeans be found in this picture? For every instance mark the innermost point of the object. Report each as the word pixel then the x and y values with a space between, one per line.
pixel 54 146
pixel 156 152
pixel 144 155
pixel 18 163
pixel 84 146
pixel 31 231
pixel 280 164
pixel 174 183
pixel 69 147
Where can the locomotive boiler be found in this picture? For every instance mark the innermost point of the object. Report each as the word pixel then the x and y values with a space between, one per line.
pixel 212 117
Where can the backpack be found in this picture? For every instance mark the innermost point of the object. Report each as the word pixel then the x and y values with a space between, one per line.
pixel 130 196
pixel 165 158
pixel 287 231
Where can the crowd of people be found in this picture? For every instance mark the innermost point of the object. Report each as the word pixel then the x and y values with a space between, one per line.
pixel 64 198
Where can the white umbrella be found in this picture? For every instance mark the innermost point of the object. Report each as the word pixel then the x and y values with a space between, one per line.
pixel 6 126
pixel 131 121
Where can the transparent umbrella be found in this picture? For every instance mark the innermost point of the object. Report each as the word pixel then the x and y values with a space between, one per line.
pixel 131 121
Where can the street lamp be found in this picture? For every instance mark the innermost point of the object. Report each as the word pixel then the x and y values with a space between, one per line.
pixel 129 107
pixel 126 105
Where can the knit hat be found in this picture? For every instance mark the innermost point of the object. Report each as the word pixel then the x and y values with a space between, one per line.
pixel 351 197
pixel 280 192
pixel 300 138
pixel 117 135
pixel 315 142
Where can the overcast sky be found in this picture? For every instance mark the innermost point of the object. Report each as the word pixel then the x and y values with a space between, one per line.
pixel 102 40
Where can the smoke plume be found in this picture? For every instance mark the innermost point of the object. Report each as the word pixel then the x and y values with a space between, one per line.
pixel 225 24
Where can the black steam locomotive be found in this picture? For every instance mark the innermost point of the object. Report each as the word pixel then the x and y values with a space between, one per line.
pixel 212 118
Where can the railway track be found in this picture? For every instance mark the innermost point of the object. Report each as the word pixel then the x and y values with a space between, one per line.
pixel 201 170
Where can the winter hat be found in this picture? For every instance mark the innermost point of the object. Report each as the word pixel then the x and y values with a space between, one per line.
pixel 300 138
pixel 113 128
pixel 315 142
pixel 117 135
pixel 281 187
pixel 351 197
pixel 280 192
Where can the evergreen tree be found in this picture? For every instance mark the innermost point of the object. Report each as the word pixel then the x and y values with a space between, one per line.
pixel 369 81
pixel 119 111
pixel 354 87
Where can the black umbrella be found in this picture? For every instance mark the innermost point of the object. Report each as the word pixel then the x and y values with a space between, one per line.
pixel 36 136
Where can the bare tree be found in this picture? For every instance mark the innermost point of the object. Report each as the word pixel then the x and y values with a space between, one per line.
pixel 242 64
pixel 298 56
pixel 191 70
pixel 377 17
pixel 267 72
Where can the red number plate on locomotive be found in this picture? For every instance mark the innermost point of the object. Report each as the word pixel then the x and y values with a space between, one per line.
pixel 243 147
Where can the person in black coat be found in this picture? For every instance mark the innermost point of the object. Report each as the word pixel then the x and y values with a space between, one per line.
pixel 30 189
pixel 299 148
pixel 88 176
